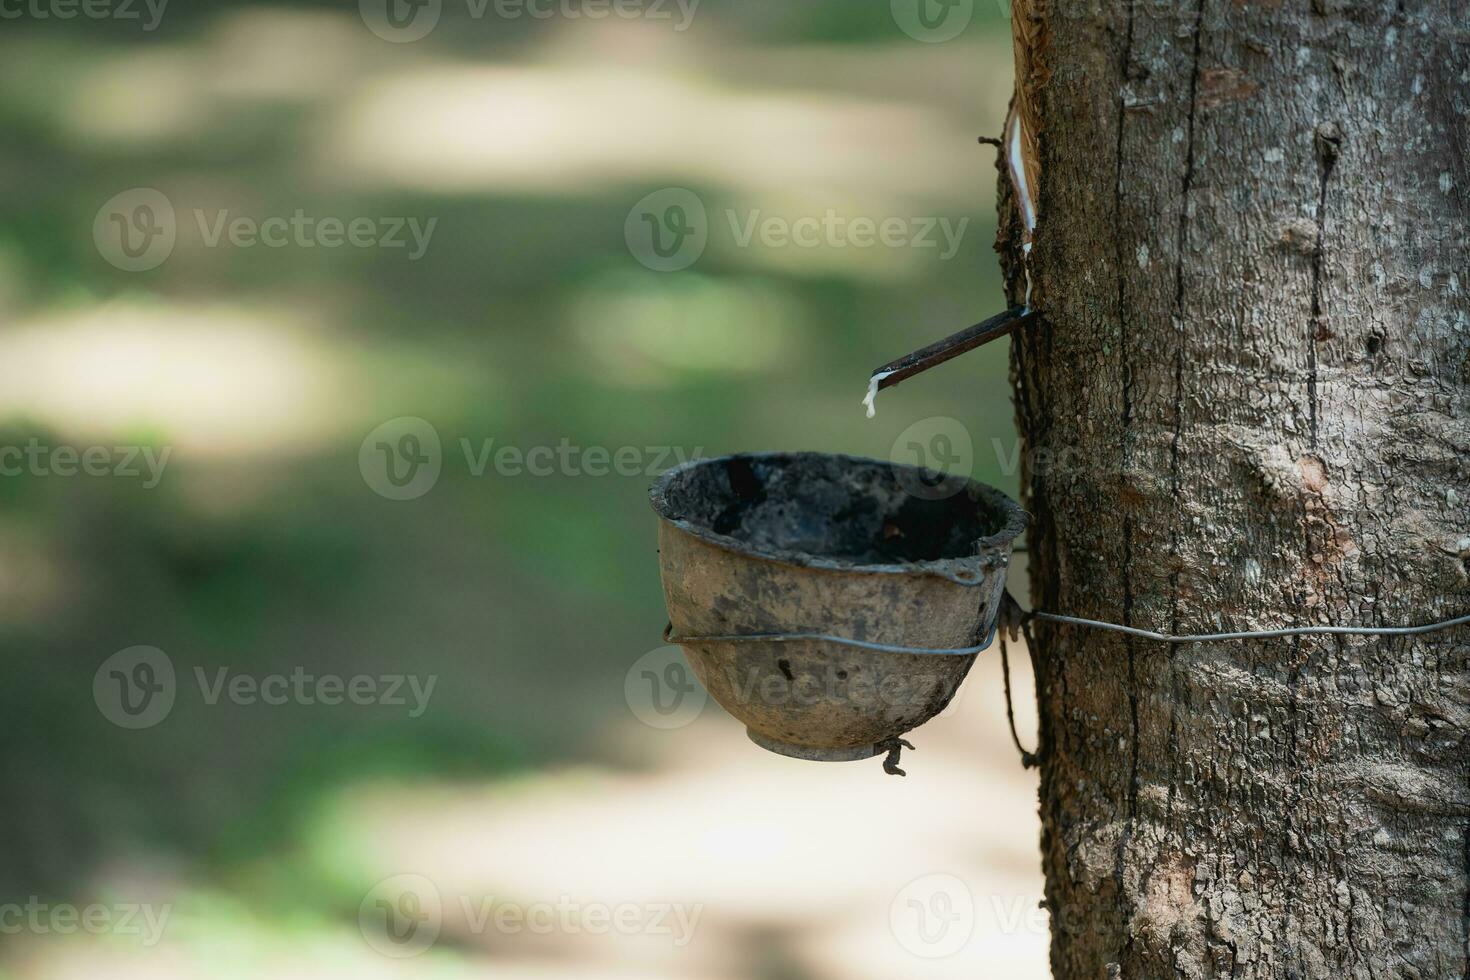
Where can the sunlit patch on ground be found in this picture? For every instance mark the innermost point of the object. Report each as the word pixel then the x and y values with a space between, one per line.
pixel 575 130
pixel 215 379
pixel 142 97
pixel 647 330
pixel 761 845
pixel 724 857
pixel 170 92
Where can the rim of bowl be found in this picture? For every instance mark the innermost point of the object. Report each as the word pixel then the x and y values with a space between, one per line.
pixel 963 569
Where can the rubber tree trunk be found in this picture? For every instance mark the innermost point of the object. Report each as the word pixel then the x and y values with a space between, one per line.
pixel 1246 407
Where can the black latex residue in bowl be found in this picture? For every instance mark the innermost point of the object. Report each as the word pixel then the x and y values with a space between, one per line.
pixel 837 508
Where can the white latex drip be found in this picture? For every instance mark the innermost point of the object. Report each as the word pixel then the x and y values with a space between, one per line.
pixel 1019 177
pixel 870 400
pixel 1026 268
pixel 1016 163
pixel 1022 185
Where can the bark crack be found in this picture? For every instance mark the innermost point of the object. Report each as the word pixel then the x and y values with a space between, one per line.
pixel 1178 399
pixel 1181 244
pixel 1328 142
pixel 1126 351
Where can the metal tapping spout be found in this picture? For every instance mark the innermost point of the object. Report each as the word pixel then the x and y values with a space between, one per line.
pixel 950 347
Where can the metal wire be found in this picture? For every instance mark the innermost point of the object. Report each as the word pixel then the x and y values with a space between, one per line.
pixel 1010 612
pixel 1029 759
pixel 1254 634
pixel 1241 634
pixel 669 637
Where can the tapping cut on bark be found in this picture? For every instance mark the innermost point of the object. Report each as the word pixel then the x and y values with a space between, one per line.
pixel 1023 124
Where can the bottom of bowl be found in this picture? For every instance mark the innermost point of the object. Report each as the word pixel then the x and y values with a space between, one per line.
pixel 814 753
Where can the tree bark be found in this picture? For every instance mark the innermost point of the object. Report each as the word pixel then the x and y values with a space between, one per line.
pixel 1246 407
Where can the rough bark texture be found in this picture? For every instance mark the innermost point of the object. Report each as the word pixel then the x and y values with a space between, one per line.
pixel 1246 407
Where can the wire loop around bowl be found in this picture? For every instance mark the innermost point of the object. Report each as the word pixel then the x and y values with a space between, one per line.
pixel 669 637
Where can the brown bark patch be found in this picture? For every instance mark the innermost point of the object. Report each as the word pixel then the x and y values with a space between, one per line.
pixel 1314 473
pixel 1169 899
pixel 1300 236
pixel 1220 85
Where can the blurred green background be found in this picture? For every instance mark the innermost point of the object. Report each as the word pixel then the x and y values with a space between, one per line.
pixel 530 321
